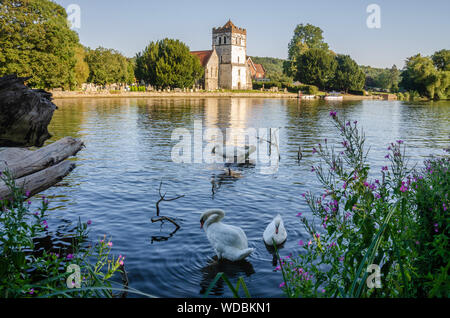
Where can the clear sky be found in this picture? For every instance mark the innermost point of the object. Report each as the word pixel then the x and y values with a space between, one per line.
pixel 407 27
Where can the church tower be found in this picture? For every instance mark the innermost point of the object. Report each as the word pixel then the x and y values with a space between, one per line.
pixel 230 43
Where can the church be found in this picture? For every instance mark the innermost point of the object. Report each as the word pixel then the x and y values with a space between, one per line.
pixel 227 65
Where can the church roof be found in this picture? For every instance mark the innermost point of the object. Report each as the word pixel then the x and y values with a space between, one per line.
pixel 229 26
pixel 203 56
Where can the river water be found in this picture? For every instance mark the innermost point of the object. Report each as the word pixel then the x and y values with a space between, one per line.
pixel 129 152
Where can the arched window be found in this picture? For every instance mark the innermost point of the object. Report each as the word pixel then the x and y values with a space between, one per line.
pixel 220 41
pixel 224 40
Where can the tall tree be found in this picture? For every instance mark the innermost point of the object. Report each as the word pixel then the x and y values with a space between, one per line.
pixel 305 37
pixel 168 63
pixel 107 66
pixel 421 75
pixel 441 60
pixel 348 75
pixel 316 67
pixel 35 40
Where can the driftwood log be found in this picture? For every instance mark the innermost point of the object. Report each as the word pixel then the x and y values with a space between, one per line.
pixel 24 113
pixel 40 169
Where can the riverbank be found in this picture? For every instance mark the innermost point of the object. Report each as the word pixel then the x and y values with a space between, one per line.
pixel 228 94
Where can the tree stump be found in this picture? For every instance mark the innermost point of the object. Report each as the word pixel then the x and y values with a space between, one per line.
pixel 24 113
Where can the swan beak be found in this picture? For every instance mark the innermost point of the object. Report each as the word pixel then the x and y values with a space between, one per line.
pixel 276 230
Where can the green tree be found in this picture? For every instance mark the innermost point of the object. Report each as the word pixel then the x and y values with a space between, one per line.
pixel 421 75
pixel 316 67
pixel 107 66
pixel 81 67
pixel 168 63
pixel 305 37
pixel 35 40
pixel 441 60
pixel 348 75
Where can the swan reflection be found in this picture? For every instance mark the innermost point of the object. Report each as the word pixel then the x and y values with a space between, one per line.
pixel 232 270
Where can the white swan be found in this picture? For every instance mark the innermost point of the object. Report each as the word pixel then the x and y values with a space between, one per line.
pixel 228 152
pixel 229 242
pixel 276 231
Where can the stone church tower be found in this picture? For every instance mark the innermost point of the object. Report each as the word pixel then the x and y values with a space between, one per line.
pixel 230 43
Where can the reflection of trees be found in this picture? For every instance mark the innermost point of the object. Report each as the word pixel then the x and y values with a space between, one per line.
pixel 231 270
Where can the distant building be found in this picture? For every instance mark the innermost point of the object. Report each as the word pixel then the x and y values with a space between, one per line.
pixel 210 62
pixel 231 70
pixel 257 71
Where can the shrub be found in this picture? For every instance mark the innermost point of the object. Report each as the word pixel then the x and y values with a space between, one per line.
pixel 26 272
pixel 363 222
pixel 432 189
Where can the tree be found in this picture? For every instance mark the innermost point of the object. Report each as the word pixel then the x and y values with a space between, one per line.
pixel 35 40
pixel 168 63
pixel 421 75
pixel 316 67
pixel 348 75
pixel 441 60
pixel 81 67
pixel 107 66
pixel 305 37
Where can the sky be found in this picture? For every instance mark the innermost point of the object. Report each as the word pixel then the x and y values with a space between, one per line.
pixel 406 27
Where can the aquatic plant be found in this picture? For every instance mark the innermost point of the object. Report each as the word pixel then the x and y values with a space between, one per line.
pixel 26 271
pixel 359 222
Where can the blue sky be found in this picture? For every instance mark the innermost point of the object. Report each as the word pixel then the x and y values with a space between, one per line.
pixel 407 27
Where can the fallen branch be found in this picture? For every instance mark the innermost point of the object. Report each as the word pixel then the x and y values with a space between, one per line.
pixel 163 198
pixel 162 219
pixel 40 181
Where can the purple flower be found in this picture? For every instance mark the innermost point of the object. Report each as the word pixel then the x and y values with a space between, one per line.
pixel 333 114
pixel 89 222
pixel 314 150
pixel 110 244
pixel 385 168
pixel 355 122
pixel 300 243
pixel 387 156
pixel 299 215
pixel 31 292
pixel 399 142
pixel 345 185
pixel 282 284
pixel 28 194
pixel 403 188
pixel 69 256
pixel 348 123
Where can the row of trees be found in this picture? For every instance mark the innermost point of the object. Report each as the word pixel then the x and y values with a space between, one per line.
pixel 36 41
pixel 383 78
pixel 312 62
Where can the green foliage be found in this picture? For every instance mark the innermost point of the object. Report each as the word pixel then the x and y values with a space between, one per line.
pixel 441 60
pixel 168 63
pixel 421 75
pixel 386 79
pixel 305 37
pixel 348 75
pixel 433 225
pixel 108 66
pixel 36 41
pixel 81 67
pixel 27 272
pixel 273 67
pixel 366 222
pixel 316 67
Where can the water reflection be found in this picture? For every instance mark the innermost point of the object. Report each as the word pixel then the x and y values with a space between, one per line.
pixel 230 269
pixel 128 153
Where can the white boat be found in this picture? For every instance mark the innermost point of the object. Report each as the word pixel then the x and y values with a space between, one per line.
pixel 334 96
pixel 308 96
